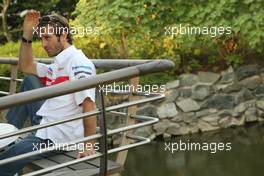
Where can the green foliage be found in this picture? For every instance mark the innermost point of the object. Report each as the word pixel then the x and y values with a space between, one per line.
pixel 11 49
pixel 96 47
pixel 234 60
pixel 4 71
pixel 138 28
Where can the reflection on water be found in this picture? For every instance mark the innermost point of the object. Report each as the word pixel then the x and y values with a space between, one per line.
pixel 246 157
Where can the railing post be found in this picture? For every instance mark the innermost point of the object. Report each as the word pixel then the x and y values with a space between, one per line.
pixel 103 131
pixel 121 156
pixel 13 82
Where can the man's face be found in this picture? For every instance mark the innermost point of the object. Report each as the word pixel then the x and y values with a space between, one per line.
pixel 50 42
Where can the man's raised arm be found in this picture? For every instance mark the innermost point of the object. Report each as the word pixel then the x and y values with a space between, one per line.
pixel 26 61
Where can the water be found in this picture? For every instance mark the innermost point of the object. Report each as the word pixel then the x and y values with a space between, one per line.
pixel 246 157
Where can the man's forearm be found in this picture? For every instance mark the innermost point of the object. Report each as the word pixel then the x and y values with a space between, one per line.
pixel 25 56
pixel 26 62
pixel 90 127
pixel 89 122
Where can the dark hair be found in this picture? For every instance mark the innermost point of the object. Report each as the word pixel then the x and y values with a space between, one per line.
pixel 58 22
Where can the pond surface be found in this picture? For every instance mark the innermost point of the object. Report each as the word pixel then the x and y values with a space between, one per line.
pixel 245 158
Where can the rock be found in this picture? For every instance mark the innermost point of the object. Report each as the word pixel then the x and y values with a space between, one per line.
pixel 114 121
pixel 260 113
pixel 228 122
pixel 225 113
pixel 220 102
pixel 161 126
pixel 178 117
pixel 144 131
pixel 188 105
pixel 172 85
pixel 208 77
pixel 251 115
pixel 152 137
pixel 171 95
pixel 193 128
pixel 188 80
pixel 227 76
pixel 246 71
pixel 167 110
pixel 241 120
pixel 235 87
pixel 237 121
pixel 220 87
pixel 147 110
pixel 243 95
pixel 261 69
pixel 166 136
pixel 200 92
pixel 205 126
pixel 176 129
pixel 189 117
pixel 114 99
pixel 260 104
pixel 259 91
pixel 262 74
pixel 117 138
pixel 250 103
pixel 185 92
pixel 260 119
pixel 251 82
pixel 204 112
pixel 239 109
pixel 224 122
pixel 211 119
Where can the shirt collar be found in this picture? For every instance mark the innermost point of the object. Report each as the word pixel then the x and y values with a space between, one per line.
pixel 65 54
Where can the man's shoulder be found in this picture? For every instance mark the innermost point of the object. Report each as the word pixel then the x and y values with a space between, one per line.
pixel 80 61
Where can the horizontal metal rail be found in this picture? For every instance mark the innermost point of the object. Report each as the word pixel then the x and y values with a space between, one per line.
pixel 128 92
pixel 4 93
pixel 141 140
pixel 8 79
pixel 99 63
pixel 138 117
pixel 134 126
pixel 82 84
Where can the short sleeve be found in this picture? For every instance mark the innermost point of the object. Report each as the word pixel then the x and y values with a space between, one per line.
pixel 80 69
pixel 42 70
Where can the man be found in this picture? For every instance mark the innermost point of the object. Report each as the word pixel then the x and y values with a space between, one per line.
pixel 69 64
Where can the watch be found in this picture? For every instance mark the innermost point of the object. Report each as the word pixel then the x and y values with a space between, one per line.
pixel 26 41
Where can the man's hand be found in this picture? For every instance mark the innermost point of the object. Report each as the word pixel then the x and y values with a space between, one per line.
pixel 31 22
pixel 86 152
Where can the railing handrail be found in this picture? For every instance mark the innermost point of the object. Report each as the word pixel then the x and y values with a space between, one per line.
pixel 133 69
pixel 99 63
pixel 82 84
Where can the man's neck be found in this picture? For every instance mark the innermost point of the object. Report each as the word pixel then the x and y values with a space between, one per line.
pixel 67 45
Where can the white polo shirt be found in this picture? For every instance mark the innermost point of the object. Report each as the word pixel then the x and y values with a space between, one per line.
pixel 70 64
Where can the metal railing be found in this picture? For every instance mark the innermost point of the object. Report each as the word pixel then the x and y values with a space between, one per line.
pixel 127 69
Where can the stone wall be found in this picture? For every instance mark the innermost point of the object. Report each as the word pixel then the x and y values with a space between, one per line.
pixel 208 101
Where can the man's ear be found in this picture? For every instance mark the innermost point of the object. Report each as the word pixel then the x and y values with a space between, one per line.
pixel 63 37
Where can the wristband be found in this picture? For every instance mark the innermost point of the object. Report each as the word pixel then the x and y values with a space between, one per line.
pixel 26 41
